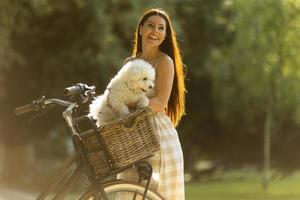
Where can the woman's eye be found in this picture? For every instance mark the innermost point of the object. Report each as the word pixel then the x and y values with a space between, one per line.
pixel 161 28
pixel 150 25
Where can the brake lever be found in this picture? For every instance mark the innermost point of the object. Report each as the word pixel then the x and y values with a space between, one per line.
pixel 88 94
pixel 36 116
pixel 38 104
pixel 40 113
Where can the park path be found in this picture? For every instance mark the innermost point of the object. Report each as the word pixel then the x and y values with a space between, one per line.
pixel 10 194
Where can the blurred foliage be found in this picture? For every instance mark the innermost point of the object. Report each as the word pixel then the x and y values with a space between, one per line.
pixel 258 73
pixel 242 60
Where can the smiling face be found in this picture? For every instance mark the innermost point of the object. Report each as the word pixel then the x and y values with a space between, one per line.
pixel 153 31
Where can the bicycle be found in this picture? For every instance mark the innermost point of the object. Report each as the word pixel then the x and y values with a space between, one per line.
pixel 100 188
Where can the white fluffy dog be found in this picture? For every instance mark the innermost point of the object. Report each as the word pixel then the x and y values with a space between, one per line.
pixel 128 88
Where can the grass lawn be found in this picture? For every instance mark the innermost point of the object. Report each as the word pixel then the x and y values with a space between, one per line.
pixel 245 188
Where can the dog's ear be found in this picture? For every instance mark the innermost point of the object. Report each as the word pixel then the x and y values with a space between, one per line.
pixel 131 84
pixel 130 75
pixel 123 74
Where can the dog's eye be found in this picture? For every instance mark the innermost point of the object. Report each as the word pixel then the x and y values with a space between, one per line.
pixel 145 78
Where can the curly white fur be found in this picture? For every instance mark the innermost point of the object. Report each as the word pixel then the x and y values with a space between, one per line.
pixel 131 86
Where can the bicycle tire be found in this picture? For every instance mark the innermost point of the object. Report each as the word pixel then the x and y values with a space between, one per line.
pixel 122 188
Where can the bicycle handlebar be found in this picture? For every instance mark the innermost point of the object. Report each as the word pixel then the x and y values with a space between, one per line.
pixel 40 104
pixel 74 90
pixel 78 89
pixel 86 92
pixel 36 105
pixel 23 109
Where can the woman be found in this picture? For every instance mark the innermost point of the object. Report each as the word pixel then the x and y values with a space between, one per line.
pixel 155 42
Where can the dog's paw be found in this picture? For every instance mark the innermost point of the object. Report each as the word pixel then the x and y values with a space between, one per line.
pixel 122 111
pixel 150 93
pixel 144 102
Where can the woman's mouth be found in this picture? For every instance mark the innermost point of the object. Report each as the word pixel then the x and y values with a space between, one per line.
pixel 152 37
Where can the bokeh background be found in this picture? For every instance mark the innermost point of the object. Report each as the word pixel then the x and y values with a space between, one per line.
pixel 241 131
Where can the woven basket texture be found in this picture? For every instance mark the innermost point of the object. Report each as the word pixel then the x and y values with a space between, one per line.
pixel 126 141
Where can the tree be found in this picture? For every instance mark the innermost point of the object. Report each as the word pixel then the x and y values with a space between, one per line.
pixel 203 27
pixel 51 44
pixel 260 70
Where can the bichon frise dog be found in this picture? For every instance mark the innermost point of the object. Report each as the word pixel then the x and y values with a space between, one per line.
pixel 128 88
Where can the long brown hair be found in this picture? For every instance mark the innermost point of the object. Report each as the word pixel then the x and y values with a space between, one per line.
pixel 176 103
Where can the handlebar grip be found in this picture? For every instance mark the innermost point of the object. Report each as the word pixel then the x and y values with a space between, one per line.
pixel 74 90
pixel 23 109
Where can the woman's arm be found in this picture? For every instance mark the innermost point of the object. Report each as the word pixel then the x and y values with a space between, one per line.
pixel 164 82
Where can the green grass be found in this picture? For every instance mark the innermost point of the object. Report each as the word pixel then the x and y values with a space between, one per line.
pixel 245 187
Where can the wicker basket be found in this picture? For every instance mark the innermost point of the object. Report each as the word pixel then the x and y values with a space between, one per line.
pixel 121 142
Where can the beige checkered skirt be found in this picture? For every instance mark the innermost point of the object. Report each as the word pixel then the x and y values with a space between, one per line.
pixel 168 175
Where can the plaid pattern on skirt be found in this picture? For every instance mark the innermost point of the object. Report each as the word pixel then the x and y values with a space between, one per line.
pixel 168 175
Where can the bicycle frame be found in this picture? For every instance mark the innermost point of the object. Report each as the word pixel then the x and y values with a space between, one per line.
pixel 60 185
pixel 57 181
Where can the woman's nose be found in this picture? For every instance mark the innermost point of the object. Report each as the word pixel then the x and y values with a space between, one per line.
pixel 155 29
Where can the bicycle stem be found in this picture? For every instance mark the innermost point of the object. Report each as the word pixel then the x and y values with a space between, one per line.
pixel 67 115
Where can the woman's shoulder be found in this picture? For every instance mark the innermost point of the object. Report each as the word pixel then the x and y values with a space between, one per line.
pixel 165 65
pixel 165 59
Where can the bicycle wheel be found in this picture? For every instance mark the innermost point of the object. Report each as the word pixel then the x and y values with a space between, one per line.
pixel 122 190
